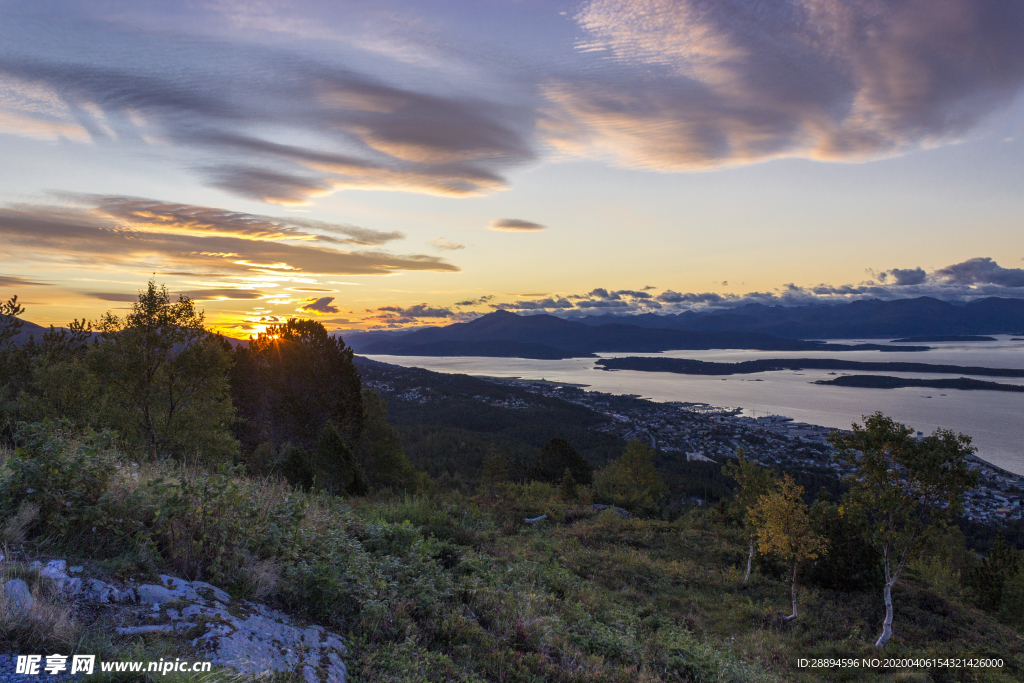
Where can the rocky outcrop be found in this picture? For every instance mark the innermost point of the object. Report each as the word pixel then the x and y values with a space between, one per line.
pixel 249 637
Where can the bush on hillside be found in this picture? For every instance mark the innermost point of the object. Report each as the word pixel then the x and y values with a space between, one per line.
pixel 65 480
pixel 631 481
pixel 554 458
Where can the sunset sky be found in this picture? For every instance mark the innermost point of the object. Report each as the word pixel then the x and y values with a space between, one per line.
pixel 410 163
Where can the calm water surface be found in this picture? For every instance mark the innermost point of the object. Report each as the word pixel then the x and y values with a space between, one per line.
pixel 995 420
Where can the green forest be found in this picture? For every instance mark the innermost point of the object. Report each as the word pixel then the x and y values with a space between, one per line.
pixel 455 540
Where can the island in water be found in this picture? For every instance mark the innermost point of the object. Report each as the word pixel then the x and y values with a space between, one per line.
pixel 889 382
pixel 947 338
pixel 687 366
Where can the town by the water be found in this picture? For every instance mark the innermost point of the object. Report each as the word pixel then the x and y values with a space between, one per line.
pixel 704 432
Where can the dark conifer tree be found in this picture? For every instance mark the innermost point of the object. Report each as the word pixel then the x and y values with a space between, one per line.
pixel 293 380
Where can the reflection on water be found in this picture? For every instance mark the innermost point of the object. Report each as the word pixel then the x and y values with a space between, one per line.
pixel 995 420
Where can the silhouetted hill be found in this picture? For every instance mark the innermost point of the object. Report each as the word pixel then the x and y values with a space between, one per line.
pixel 28 330
pixel 871 318
pixel 527 336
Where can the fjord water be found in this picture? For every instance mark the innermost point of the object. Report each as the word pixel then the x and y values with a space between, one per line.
pixel 994 419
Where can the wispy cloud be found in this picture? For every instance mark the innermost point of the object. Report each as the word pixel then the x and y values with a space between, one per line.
pixel 168 236
pixel 15 281
pixel 659 84
pixel 263 125
pixel 475 302
pixel 161 216
pixel 685 84
pixel 441 244
pixel 515 225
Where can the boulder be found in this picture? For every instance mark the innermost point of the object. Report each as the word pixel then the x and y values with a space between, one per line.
pixel 18 596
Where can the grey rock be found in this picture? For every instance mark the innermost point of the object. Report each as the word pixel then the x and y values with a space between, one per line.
pixel 76 570
pixel 265 641
pixel 72 586
pixel 18 596
pixel 215 593
pixel 336 672
pixel 311 637
pixel 151 594
pixel 97 591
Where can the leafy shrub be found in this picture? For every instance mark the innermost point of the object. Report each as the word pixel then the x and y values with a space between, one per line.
pixel 65 480
pixel 209 525
pixel 630 481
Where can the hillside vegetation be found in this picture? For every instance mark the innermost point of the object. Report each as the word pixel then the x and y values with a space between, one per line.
pixel 302 496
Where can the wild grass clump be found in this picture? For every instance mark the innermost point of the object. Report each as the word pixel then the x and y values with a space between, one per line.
pixel 46 625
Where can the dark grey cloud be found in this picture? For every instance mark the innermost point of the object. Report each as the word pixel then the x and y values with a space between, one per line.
pixel 515 225
pixel 685 84
pixel 266 185
pixel 73 235
pixel 633 294
pixel 475 302
pixel 904 276
pixel 603 303
pixel 602 293
pixel 15 281
pixel 672 297
pixel 982 271
pixel 417 311
pixel 548 304
pixel 321 305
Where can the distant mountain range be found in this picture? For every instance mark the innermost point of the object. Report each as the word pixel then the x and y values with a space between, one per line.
pixel 867 319
pixel 504 334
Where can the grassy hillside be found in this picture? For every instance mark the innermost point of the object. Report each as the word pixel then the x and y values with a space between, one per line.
pixel 447 586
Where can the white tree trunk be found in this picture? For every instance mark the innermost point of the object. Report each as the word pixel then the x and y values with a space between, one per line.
pixel 793 594
pixel 750 558
pixel 887 624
